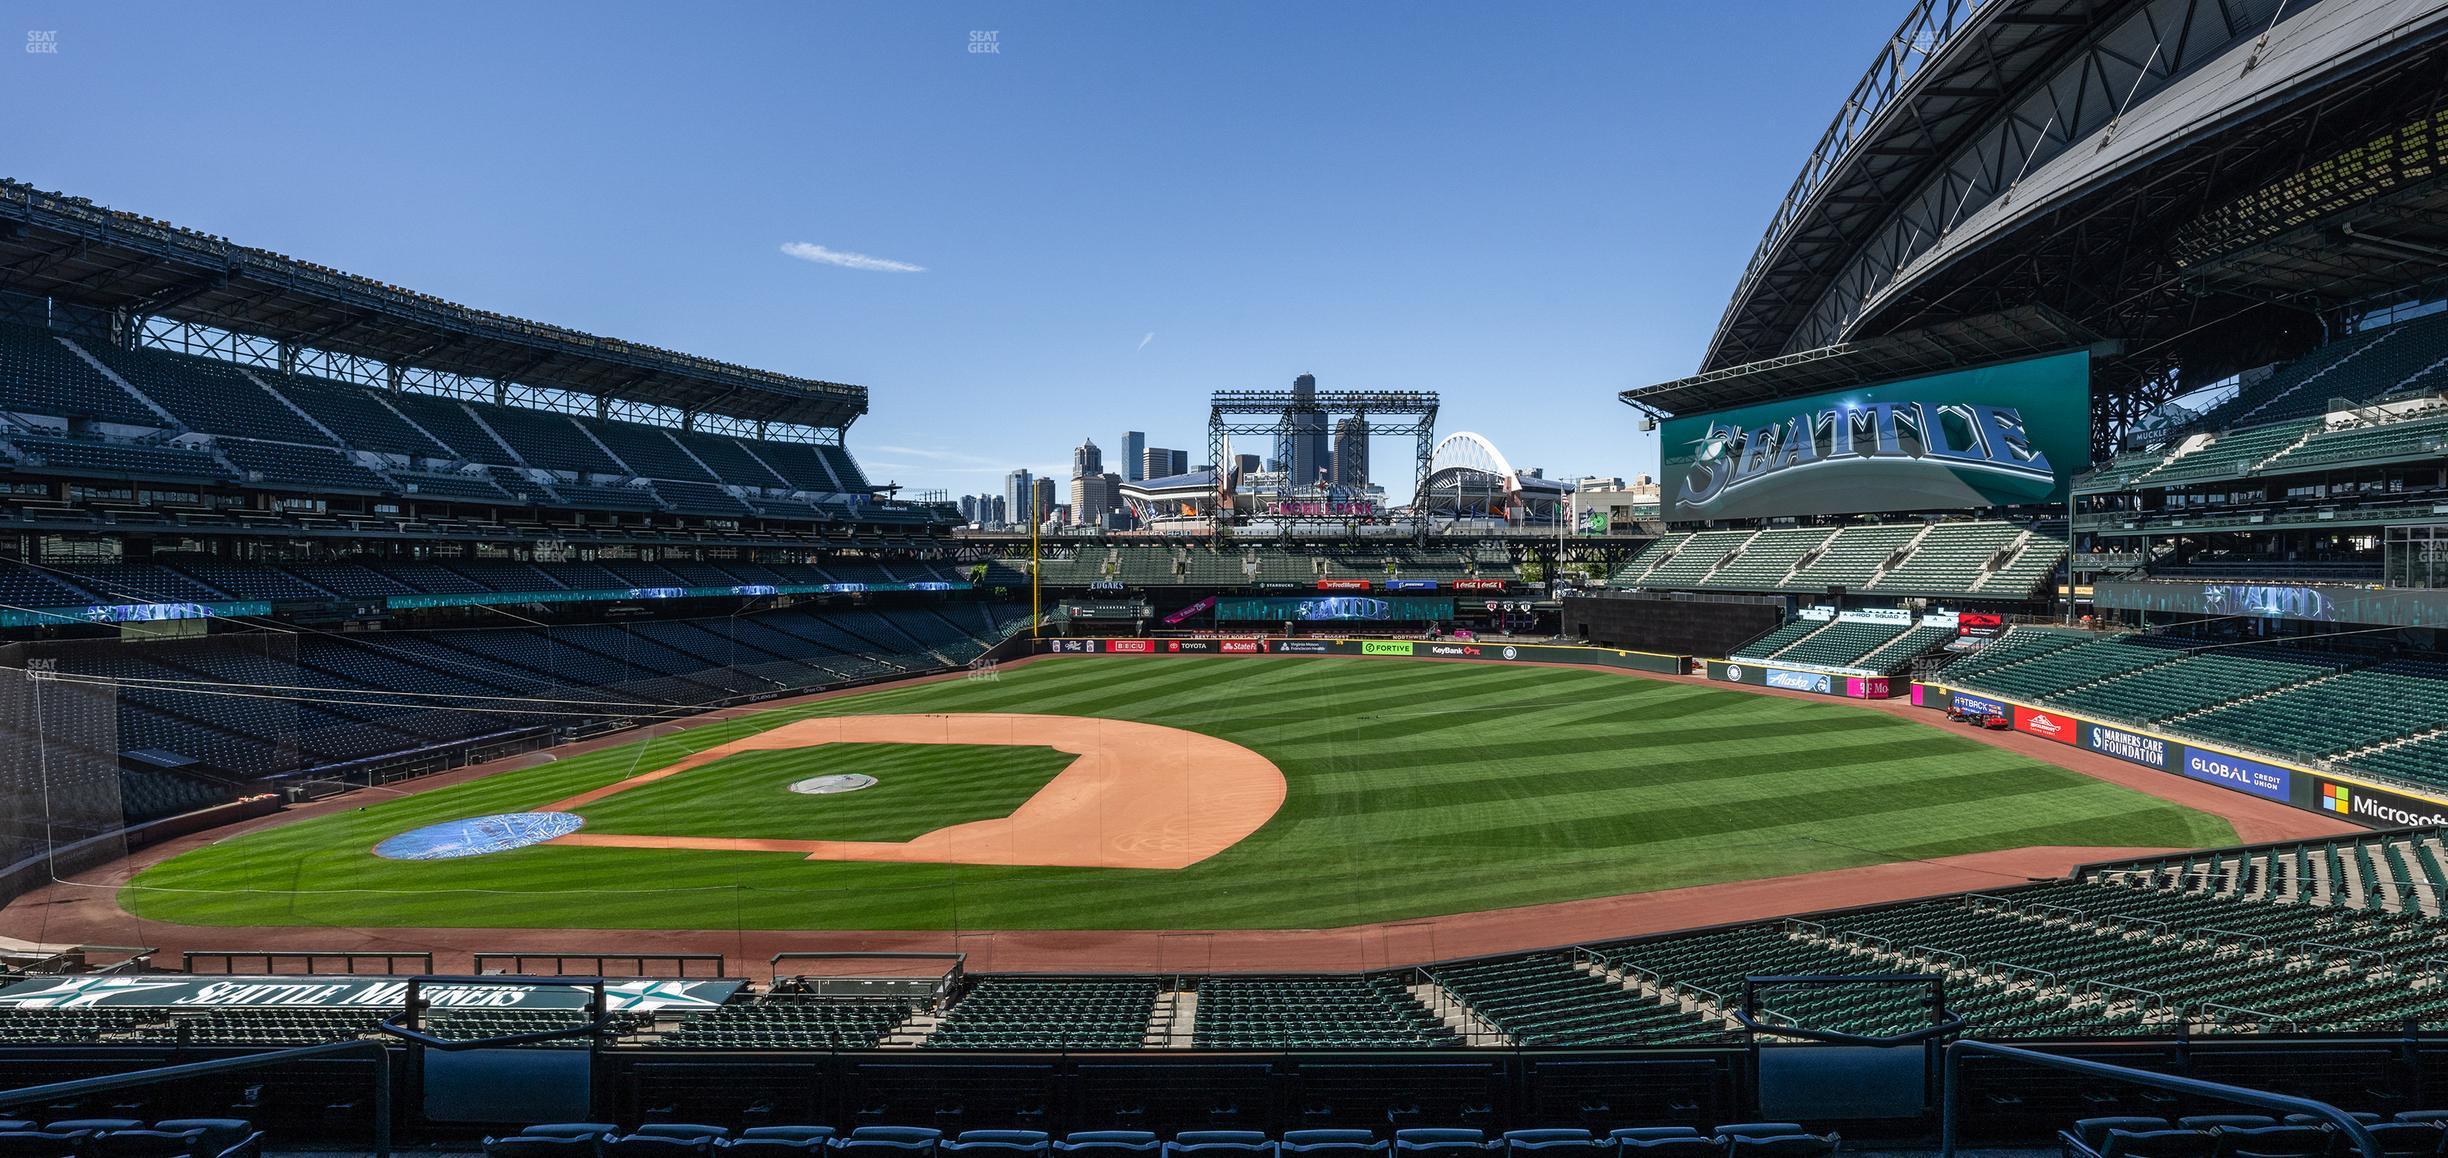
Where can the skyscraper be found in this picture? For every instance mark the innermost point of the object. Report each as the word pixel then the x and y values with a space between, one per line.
pixel 968 508
pixel 1134 446
pixel 1306 459
pixel 1157 462
pixel 1351 450
pixel 1019 490
pixel 1002 511
pixel 1086 460
pixel 1047 498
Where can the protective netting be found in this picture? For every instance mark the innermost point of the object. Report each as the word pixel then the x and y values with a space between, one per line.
pixel 64 797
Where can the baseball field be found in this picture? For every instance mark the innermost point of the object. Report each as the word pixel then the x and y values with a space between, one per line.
pixel 1177 793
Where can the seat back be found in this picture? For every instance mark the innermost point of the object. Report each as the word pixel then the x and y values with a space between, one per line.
pixel 2157 1144
pixel 144 1143
pixel 1650 1133
pixel 769 1147
pixel 680 1130
pixel 544 1146
pixel 2272 1141
pixel 2213 1121
pixel 1779 1146
pixel 1761 1130
pixel 1685 1146
pixel 653 1146
pixel 39 1143
pixel 2093 1132
pixel 792 1133
pixel 2408 1139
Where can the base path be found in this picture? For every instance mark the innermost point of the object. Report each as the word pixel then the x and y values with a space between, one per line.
pixel 1139 796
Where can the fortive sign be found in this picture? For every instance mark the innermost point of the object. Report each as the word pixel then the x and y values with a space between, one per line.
pixel 1385 647
pixel 2046 725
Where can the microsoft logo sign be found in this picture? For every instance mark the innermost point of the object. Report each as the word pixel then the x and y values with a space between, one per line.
pixel 2335 798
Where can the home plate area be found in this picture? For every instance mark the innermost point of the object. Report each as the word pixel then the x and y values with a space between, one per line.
pixel 1127 795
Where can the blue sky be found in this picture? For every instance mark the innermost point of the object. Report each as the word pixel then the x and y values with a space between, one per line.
pixel 1524 207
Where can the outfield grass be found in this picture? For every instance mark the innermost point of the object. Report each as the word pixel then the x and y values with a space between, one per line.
pixel 919 788
pixel 1416 789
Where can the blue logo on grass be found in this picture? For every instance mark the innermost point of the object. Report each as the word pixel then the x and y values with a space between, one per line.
pixel 478 835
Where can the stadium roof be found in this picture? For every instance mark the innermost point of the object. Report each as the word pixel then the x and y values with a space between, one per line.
pixel 70 250
pixel 1948 71
pixel 2019 333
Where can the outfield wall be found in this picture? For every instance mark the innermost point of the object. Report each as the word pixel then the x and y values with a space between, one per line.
pixel 2309 789
pixel 1403 648
pixel 1804 679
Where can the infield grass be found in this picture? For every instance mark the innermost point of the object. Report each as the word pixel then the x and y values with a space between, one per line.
pixel 1416 789
pixel 919 788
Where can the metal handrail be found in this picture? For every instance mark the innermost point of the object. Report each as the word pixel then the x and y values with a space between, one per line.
pixel 1956 1051
pixel 1949 1022
pixel 372 1047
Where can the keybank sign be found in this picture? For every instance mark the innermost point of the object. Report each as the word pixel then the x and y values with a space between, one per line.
pixel 1994 436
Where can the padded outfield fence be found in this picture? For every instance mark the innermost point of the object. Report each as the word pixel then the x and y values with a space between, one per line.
pixel 1453 649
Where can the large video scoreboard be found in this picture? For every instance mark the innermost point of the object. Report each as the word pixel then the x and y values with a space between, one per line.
pixel 2011 434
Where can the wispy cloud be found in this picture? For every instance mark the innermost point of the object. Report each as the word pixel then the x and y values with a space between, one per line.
pixel 810 251
pixel 933 455
pixel 1151 336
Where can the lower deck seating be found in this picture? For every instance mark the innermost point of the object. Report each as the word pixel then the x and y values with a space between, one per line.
pixel 1049 1013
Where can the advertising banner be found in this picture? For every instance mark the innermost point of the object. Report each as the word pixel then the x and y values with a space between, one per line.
pixel 1980 625
pixel 2395 606
pixel 1299 647
pixel 1342 584
pixel 1800 681
pixel 1479 584
pixel 1980 706
pixel 2378 806
pixel 1239 646
pixel 1736 673
pixel 2003 435
pixel 1817 613
pixel 130 613
pixel 1191 646
pixel 1130 646
pixel 2131 747
pixel 2239 773
pixel 1072 646
pixel 1411 585
pixel 1893 616
pixel 1186 613
pixel 1385 647
pixel 1325 608
pixel 1868 687
pixel 2046 725
pixel 379 994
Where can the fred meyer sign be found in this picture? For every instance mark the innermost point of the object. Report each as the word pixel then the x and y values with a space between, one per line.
pixel 1995 436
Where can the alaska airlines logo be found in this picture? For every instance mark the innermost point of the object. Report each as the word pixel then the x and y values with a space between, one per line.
pixel 1958 434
